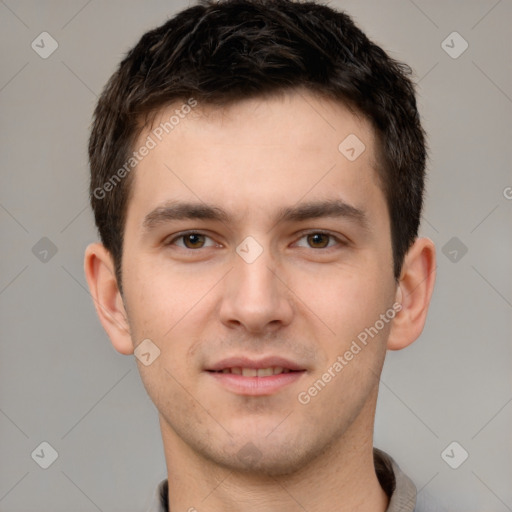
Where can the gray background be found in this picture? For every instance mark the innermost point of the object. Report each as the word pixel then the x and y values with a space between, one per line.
pixel 62 382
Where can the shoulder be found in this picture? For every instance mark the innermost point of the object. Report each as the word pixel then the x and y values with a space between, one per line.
pixel 400 488
pixel 160 498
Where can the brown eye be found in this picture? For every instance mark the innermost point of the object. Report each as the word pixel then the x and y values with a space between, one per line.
pixel 318 240
pixel 193 240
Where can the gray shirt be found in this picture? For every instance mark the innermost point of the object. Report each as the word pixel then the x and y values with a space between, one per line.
pixel 397 485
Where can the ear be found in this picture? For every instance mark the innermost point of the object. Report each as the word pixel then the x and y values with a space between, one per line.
pixel 414 291
pixel 100 275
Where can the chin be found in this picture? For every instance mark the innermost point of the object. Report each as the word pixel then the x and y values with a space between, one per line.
pixel 265 466
pixel 264 458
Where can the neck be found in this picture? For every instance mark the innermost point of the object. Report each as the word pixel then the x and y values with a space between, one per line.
pixel 341 478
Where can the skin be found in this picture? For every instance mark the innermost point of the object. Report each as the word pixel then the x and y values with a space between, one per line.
pixel 303 298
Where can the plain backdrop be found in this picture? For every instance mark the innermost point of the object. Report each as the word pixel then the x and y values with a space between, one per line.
pixel 62 383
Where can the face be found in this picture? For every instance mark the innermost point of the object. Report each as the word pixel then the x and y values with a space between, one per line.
pixel 257 258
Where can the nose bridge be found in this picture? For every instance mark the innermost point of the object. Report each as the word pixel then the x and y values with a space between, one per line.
pixel 254 280
pixel 254 275
pixel 255 297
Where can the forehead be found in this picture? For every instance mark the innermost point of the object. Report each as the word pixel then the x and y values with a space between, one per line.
pixel 297 117
pixel 256 153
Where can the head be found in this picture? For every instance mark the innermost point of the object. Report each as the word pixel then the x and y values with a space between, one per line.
pixel 231 120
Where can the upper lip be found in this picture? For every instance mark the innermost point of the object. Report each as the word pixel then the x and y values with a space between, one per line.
pixel 246 362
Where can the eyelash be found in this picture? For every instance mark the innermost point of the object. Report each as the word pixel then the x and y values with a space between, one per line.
pixel 302 235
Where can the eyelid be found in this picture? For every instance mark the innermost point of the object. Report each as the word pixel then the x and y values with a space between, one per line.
pixel 339 239
pixel 171 239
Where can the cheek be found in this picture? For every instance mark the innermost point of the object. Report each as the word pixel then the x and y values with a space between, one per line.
pixel 354 345
pixel 346 299
pixel 159 298
pixel 172 309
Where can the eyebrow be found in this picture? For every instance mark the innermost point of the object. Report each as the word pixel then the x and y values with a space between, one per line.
pixel 175 210
pixel 183 210
pixel 336 208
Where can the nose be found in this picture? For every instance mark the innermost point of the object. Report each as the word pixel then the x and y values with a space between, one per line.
pixel 255 296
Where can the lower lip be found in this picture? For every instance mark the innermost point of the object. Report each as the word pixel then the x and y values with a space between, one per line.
pixel 256 386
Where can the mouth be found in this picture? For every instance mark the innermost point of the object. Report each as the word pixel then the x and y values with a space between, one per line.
pixel 255 372
pixel 267 376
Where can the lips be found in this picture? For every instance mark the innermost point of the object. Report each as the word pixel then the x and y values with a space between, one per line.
pixel 247 367
pixel 256 372
pixel 256 377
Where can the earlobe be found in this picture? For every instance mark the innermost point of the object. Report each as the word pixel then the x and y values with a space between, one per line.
pixel 100 275
pixel 414 291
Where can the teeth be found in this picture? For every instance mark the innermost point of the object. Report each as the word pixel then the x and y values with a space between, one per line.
pixel 253 372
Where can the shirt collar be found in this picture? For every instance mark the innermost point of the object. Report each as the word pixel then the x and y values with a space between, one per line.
pixel 397 485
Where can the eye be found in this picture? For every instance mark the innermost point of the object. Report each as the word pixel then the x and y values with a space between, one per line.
pixel 319 240
pixel 192 240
